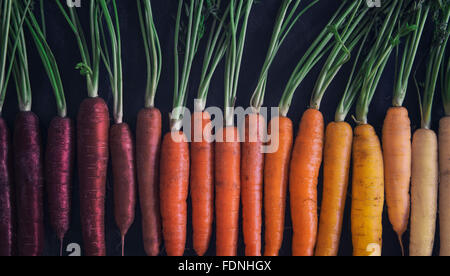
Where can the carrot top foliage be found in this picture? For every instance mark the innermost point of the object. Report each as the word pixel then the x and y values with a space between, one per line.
pixel 437 53
pixel 90 56
pixel 152 49
pixel 288 14
pixel 239 15
pixel 6 8
pixel 48 59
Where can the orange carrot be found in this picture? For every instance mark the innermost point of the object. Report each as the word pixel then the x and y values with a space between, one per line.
pixel 174 186
pixel 252 183
pixel 228 187
pixel 337 155
pixel 202 182
pixel 304 173
pixel 276 173
pixel 397 167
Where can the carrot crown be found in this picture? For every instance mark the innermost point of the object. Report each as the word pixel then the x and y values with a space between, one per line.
pixel 378 57
pixel 152 50
pixel 238 30
pixel 283 25
pixel 90 64
pixel 437 53
pixel 419 17
pixel 48 59
pixel 314 54
pixel 355 29
pixel 216 48
pixel 20 68
pixel 191 38
pixel 112 58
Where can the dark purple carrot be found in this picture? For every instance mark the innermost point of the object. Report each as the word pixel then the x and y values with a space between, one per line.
pixel 7 207
pixel 59 156
pixel 30 184
pixel 59 159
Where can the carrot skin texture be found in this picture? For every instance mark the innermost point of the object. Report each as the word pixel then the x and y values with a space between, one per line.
pixel 336 169
pixel 148 149
pixel 93 154
pixel 174 187
pixel 367 192
pixel 397 167
pixel 276 177
pixel 304 173
pixel 29 178
pixel 228 188
pixel 7 202
pixel 59 161
pixel 124 176
pixel 424 192
pixel 252 172
pixel 202 182
pixel 444 188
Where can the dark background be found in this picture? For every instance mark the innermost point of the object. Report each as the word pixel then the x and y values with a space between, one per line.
pixel 262 18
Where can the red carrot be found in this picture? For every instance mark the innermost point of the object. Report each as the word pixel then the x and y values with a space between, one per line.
pixel 59 159
pixel 30 184
pixel 148 146
pixel 124 175
pixel 93 139
pixel 7 206
pixel 148 135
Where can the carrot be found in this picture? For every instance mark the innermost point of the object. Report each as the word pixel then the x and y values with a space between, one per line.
pixel 202 182
pixel 252 156
pixel 252 168
pixel 425 166
pixel 174 171
pixel 424 191
pixel 337 155
pixel 202 148
pixel 7 206
pixel 59 160
pixel 276 175
pixel 174 186
pixel 148 136
pixel 397 166
pixel 367 192
pixel 444 157
pixel 397 134
pixel 444 192
pixel 92 134
pixel 228 188
pixel 336 169
pixel 93 154
pixel 120 136
pixel 148 143
pixel 304 172
pixel 59 157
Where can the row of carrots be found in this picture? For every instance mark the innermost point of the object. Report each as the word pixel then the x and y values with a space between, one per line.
pixel 223 175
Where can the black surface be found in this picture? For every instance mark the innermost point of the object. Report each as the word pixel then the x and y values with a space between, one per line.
pixel 62 41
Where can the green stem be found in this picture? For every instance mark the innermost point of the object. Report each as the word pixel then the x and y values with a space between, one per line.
pixel 6 11
pixel 409 54
pixel 116 79
pixel 49 62
pixel 152 51
pixel 434 65
pixel 283 25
